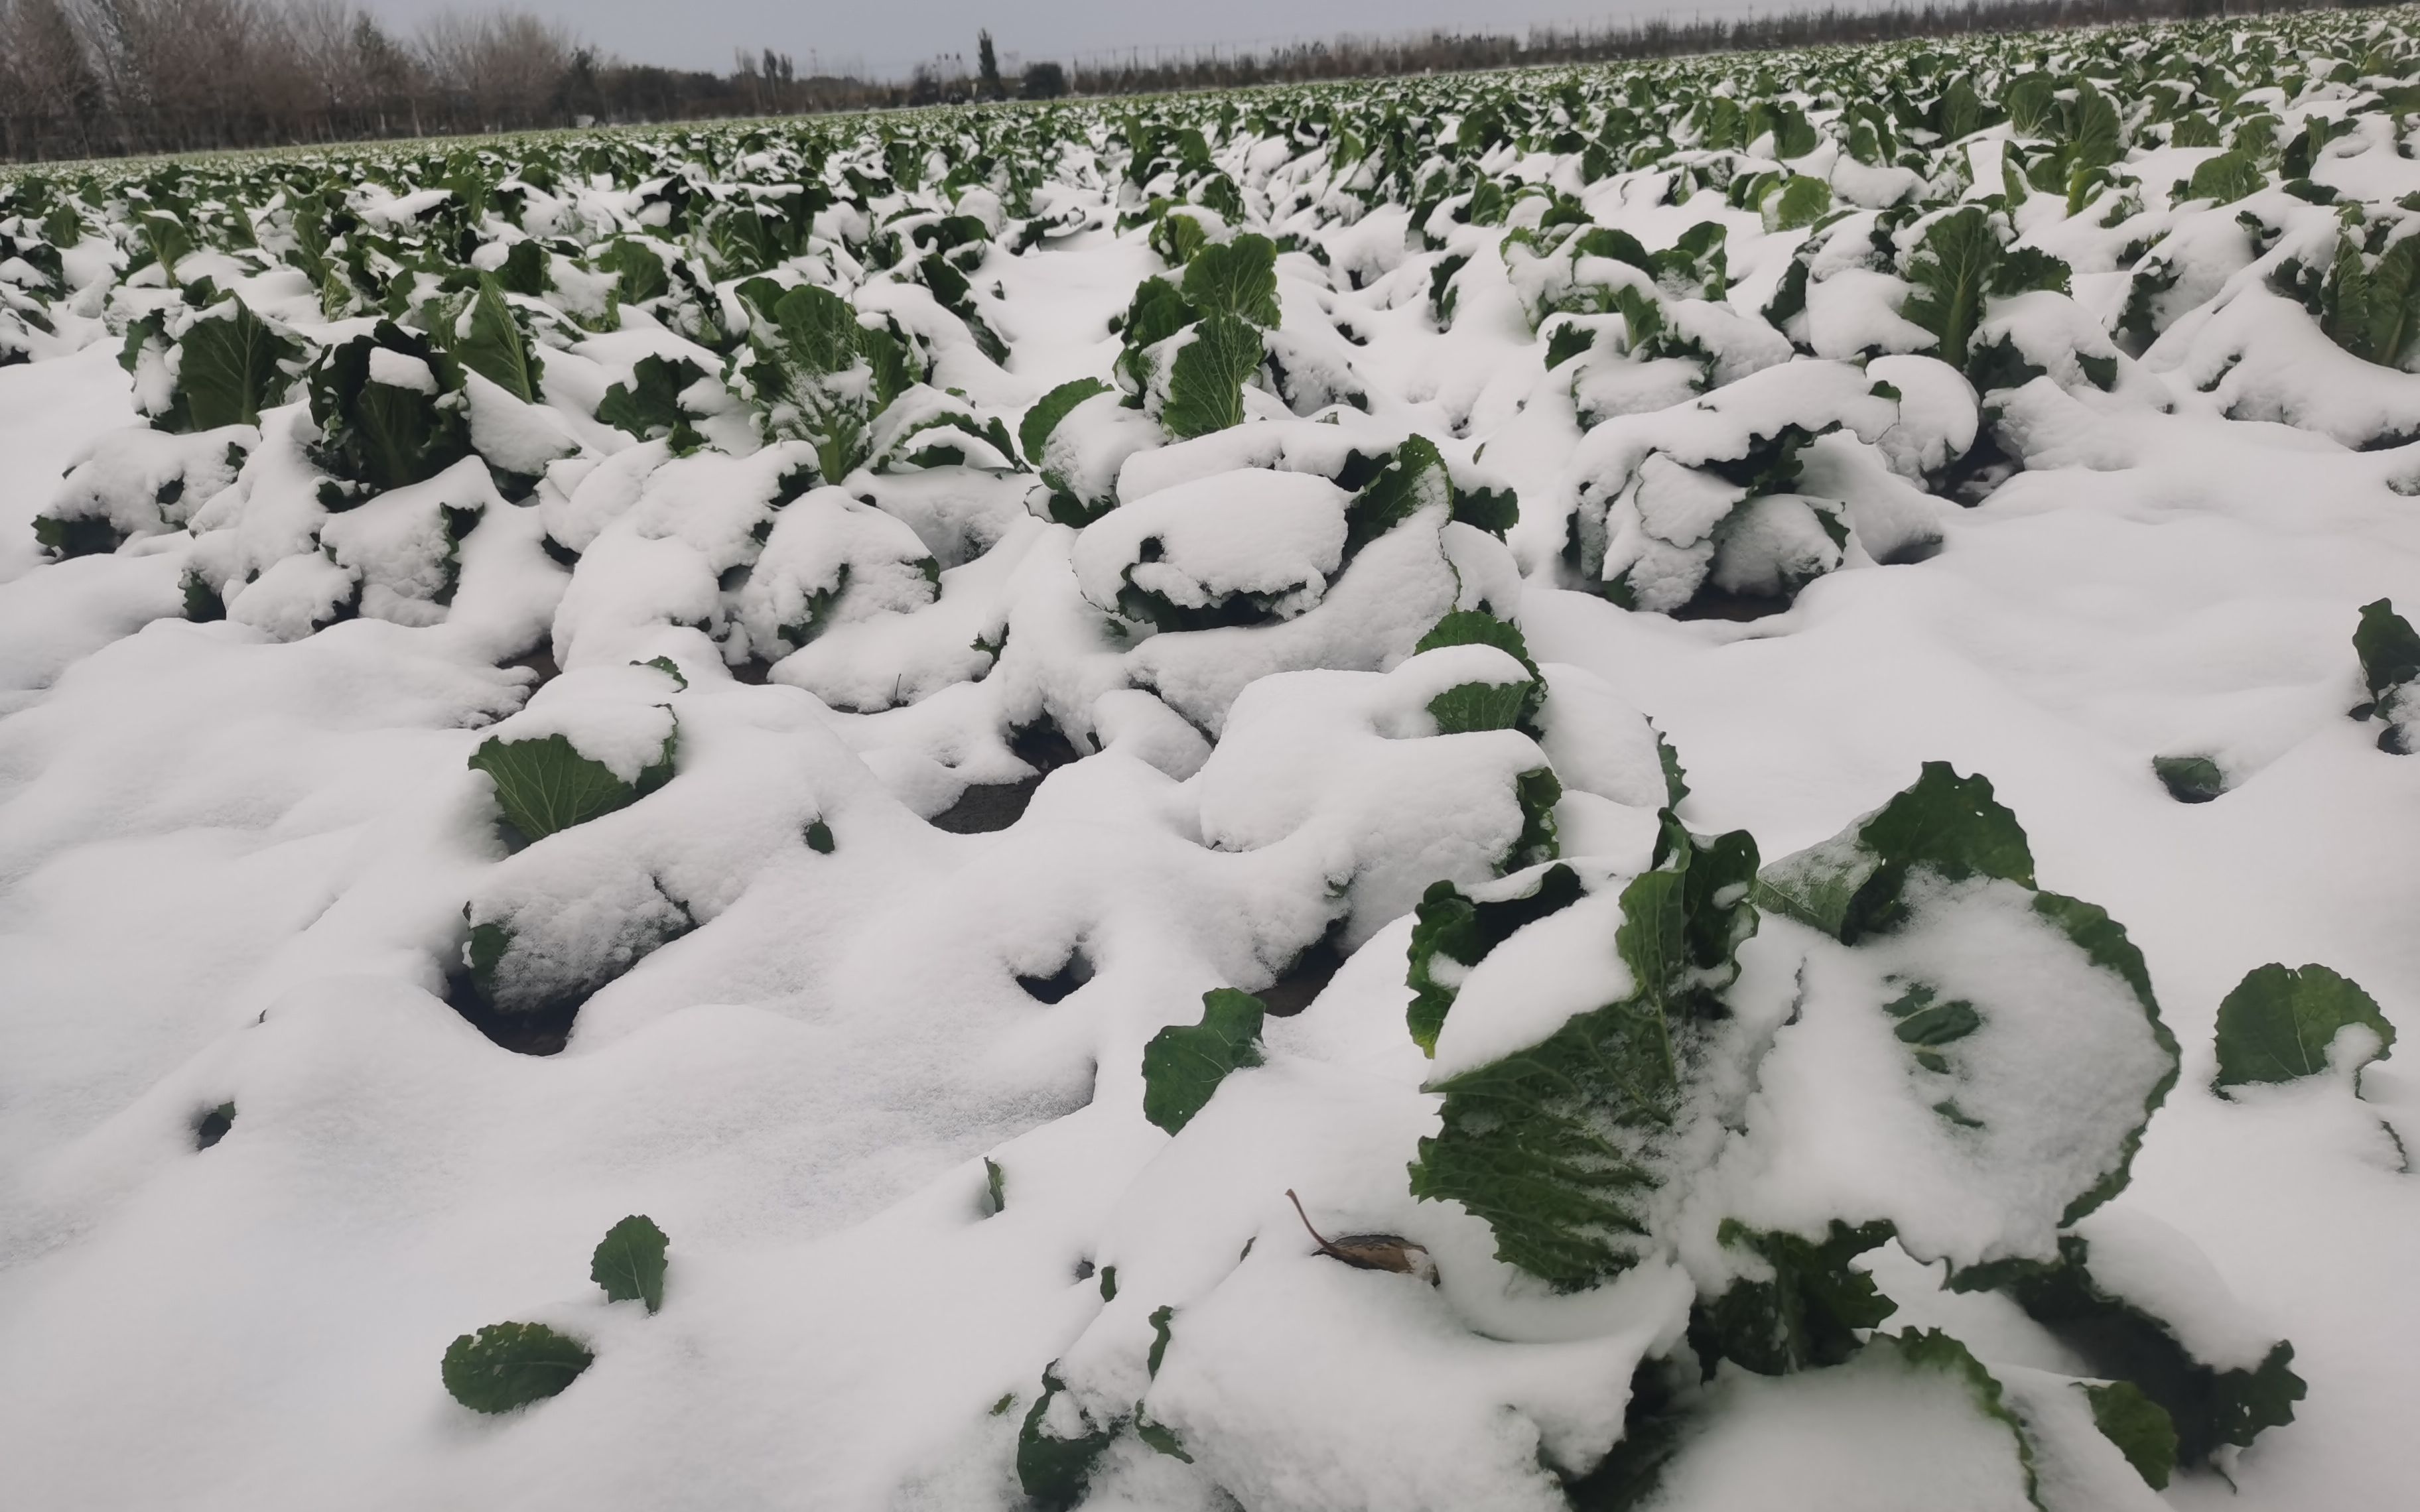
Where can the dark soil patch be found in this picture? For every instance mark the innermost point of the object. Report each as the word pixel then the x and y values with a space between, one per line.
pixel 1304 980
pixel 542 1033
pixel 994 806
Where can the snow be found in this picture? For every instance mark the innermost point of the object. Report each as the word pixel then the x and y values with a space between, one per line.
pixel 1886 1436
pixel 240 859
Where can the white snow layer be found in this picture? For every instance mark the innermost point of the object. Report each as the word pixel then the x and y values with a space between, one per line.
pixel 236 857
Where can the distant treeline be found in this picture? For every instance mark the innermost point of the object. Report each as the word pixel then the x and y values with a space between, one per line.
pixel 100 78
pixel 1441 52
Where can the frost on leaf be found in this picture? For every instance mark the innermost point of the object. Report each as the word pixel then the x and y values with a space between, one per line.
pixel 506 1366
pixel 1454 931
pixel 2279 1025
pixel 1184 1064
pixel 1567 1148
pixel 546 785
pixel 2023 1020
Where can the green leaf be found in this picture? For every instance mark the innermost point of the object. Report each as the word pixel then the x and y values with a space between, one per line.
pixel 546 785
pixel 649 405
pixel 1807 1315
pixel 818 330
pixel 1411 480
pixel 1536 791
pixel 1160 1436
pixel 2372 308
pixel 1451 925
pixel 1034 432
pixel 230 368
pixel 1236 278
pixel 1159 1323
pixel 506 1366
pixel 1676 778
pixel 2277 1024
pixel 1849 885
pixel 1182 1065
pixel 493 345
pixel 629 1262
pixel 2189 779
pixel 2388 647
pixel 202 602
pixel 2118 1341
pixel 2095 140
pixel 1802 200
pixel 2226 178
pixel 638 273
pixel 1477 628
pixel 1053 1470
pixel 1794 136
pixel 2026 270
pixel 2139 1426
pixel 1929 1348
pixel 1476 707
pixel 2031 101
pixel 1952 272
pixel 1205 383
pixel 82 535
pixel 1960 113
pixel 1157 313
pixel 165 236
pixel 1560 1147
pixel 1568 340
pixel 669 668
pixel 378 436
pixel 528 269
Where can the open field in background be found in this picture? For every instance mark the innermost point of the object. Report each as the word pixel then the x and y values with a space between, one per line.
pixel 1667 786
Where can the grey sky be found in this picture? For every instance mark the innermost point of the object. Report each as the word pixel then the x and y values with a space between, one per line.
pixel 888 37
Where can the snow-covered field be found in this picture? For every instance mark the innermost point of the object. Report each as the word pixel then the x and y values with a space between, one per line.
pixel 787 679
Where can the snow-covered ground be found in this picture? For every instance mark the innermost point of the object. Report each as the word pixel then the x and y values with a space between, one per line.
pixel 883 1083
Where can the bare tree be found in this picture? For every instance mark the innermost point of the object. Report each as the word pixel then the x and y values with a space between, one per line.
pixel 53 95
pixel 500 71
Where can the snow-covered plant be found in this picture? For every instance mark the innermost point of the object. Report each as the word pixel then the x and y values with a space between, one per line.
pixel 2389 652
pixel 1190 350
pixel 815 372
pixel 390 411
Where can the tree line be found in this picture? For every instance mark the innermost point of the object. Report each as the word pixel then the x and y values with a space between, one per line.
pixel 1442 51
pixel 96 78
pixel 99 78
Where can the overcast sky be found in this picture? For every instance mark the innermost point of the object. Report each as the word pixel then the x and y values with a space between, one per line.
pixel 888 37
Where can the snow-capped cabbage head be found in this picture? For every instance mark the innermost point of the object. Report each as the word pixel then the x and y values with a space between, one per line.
pixel 1240 547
